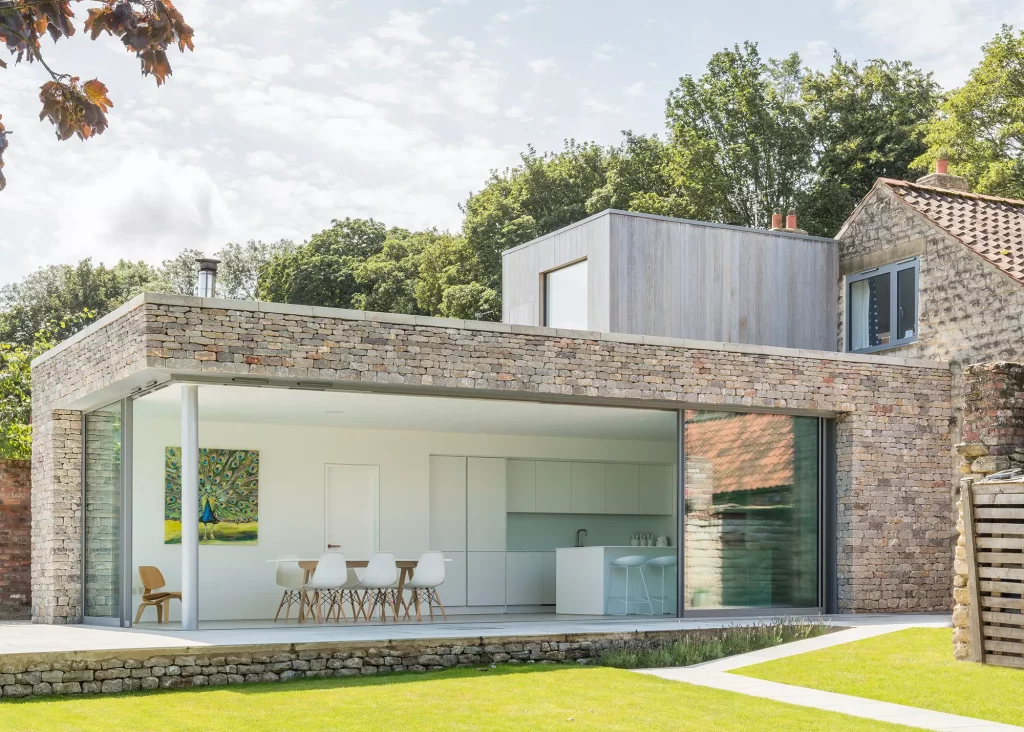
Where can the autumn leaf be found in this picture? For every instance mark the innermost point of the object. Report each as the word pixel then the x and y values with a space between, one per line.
pixel 96 92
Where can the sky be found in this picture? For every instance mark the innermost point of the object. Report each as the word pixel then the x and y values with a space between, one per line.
pixel 291 113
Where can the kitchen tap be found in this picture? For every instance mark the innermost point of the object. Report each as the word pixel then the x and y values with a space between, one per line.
pixel 579 542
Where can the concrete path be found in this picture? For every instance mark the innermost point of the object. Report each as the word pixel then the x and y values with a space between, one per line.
pixel 715 675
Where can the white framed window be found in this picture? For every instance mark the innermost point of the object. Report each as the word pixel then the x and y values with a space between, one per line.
pixel 881 307
pixel 565 296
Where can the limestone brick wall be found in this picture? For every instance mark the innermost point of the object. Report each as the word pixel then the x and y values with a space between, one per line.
pixel 894 529
pixel 15 539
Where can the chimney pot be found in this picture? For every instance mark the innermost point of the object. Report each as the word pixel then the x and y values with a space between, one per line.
pixel 942 166
pixel 207 277
pixel 791 219
pixel 776 221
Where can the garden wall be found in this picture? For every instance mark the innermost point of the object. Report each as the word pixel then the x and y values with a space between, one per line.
pixel 15 539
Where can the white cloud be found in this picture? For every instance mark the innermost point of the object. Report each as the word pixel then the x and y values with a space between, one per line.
pixel 518 113
pixel 605 51
pixel 404 27
pixel 597 106
pixel 542 65
pixel 635 90
pixel 943 35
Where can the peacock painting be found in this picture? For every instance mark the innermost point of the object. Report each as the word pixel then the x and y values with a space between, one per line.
pixel 228 496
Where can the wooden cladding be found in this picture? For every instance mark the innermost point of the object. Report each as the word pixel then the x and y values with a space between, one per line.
pixel 994 527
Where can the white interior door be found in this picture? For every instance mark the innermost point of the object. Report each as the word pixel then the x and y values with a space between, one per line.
pixel 352 499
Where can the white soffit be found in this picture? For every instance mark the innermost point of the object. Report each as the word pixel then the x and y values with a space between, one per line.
pixel 362 410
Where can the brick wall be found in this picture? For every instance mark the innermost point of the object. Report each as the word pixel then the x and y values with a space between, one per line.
pixel 15 533
pixel 894 528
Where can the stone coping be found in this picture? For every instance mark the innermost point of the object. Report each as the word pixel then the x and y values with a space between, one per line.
pixel 312 311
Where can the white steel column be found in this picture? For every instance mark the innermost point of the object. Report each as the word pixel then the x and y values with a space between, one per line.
pixel 190 507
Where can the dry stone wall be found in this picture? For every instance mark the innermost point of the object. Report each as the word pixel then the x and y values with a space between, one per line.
pixel 894 528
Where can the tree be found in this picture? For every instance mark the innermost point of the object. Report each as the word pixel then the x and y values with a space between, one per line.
pixel 740 144
pixel 146 27
pixel 544 193
pixel 866 124
pixel 980 128
pixel 48 294
pixel 16 383
pixel 322 271
pixel 237 274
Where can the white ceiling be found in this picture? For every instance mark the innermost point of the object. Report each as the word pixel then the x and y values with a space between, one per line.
pixel 402 412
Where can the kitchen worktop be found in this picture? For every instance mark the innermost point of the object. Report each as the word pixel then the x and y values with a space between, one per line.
pixel 583 576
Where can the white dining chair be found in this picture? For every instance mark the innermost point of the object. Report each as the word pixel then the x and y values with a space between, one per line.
pixel 429 575
pixel 380 583
pixel 636 564
pixel 353 594
pixel 665 563
pixel 326 585
pixel 290 578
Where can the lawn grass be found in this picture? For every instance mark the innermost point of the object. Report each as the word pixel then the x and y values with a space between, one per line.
pixel 912 667
pixel 711 644
pixel 225 532
pixel 527 698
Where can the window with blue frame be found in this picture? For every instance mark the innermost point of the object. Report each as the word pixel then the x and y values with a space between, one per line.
pixel 881 307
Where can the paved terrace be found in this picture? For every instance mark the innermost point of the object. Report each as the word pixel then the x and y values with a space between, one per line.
pixel 28 638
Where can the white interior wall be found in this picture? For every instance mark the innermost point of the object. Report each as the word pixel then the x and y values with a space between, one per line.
pixel 236 582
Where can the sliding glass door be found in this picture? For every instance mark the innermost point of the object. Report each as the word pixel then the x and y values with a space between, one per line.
pixel 104 516
pixel 752 521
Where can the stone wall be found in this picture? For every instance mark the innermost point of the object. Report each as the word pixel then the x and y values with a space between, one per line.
pixel 894 526
pixel 110 672
pixel 992 440
pixel 15 539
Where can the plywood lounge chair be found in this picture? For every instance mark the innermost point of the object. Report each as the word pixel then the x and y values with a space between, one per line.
pixel 152 582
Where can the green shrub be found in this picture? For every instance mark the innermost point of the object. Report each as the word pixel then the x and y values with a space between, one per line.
pixel 711 644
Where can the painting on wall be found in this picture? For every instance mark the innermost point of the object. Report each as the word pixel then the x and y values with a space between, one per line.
pixel 229 496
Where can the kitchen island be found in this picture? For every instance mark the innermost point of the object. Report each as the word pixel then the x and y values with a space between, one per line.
pixel 583 577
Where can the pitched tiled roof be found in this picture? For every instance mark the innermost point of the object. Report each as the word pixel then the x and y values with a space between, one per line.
pixel 992 227
pixel 746 451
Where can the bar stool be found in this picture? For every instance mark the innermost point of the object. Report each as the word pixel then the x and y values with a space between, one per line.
pixel 664 564
pixel 635 563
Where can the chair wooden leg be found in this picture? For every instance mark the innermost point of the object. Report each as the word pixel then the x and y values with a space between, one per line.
pixel 440 605
pixel 138 615
pixel 419 611
pixel 280 605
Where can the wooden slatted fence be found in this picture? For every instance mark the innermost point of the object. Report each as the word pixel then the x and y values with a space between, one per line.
pixel 994 527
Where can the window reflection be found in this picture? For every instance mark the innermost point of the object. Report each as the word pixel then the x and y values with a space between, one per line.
pixel 565 297
pixel 751 510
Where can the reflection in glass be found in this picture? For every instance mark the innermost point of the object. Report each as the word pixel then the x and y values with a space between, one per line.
pixel 869 312
pixel 565 297
pixel 751 510
pixel 102 519
pixel 906 303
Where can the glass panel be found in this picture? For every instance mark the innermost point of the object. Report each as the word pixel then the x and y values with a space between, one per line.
pixel 565 297
pixel 751 510
pixel 102 518
pixel 906 303
pixel 869 312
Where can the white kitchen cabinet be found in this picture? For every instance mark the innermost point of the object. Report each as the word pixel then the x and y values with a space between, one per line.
pixel 485 505
pixel 485 578
pixel 522 486
pixel 447 503
pixel 524 578
pixel 588 488
pixel 622 488
pixel 657 489
pixel 554 486
pixel 453 591
pixel 547 566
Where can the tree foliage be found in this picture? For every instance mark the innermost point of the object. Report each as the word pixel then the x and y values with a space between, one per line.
pixel 16 383
pixel 981 125
pixel 148 28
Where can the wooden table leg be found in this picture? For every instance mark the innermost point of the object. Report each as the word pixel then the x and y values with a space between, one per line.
pixel 404 575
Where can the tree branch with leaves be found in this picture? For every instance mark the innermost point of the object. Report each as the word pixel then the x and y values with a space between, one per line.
pixel 147 28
